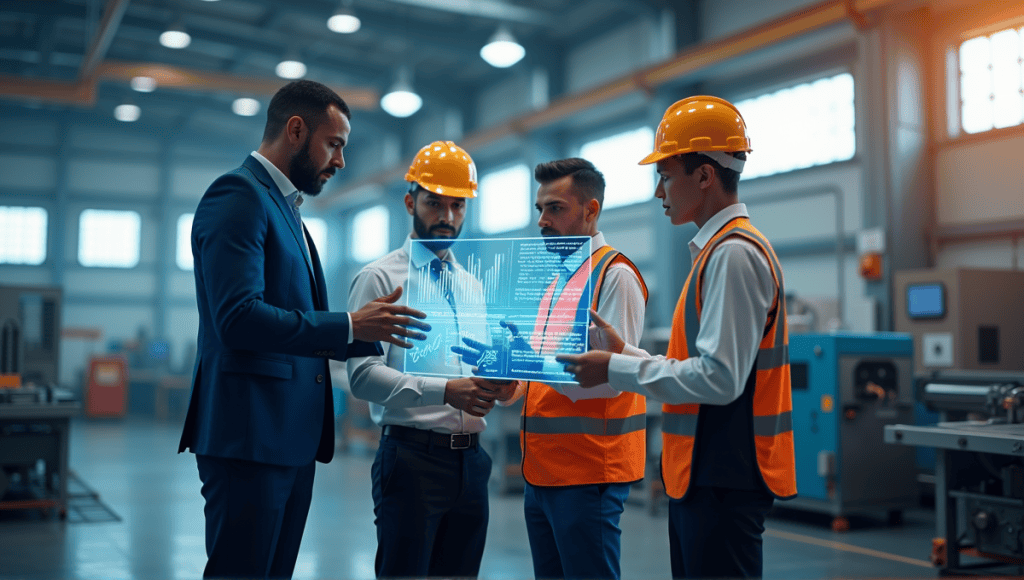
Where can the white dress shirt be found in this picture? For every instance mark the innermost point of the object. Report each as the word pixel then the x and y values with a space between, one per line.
pixel 737 293
pixel 397 398
pixel 287 188
pixel 622 304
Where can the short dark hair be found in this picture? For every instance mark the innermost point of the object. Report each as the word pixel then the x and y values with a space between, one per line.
pixel 306 99
pixel 587 181
pixel 730 178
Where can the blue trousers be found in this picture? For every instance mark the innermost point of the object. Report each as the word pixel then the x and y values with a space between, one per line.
pixel 574 531
pixel 716 533
pixel 255 516
pixel 430 507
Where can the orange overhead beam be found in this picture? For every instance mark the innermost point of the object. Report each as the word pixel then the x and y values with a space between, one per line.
pixel 104 36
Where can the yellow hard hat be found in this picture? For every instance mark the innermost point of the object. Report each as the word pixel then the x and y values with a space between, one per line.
pixel 701 124
pixel 444 168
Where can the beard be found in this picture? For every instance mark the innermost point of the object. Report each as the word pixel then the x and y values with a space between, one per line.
pixel 304 174
pixel 554 243
pixel 441 240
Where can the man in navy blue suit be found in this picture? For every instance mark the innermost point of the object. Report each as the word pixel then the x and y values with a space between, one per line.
pixel 261 411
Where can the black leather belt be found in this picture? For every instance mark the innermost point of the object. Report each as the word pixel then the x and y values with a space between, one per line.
pixel 449 440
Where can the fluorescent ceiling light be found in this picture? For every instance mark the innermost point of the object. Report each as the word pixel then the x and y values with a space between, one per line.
pixel 144 84
pixel 502 50
pixel 344 21
pixel 401 100
pixel 245 107
pixel 175 37
pixel 290 69
pixel 127 113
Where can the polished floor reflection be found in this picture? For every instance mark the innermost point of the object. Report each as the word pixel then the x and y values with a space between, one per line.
pixel 132 464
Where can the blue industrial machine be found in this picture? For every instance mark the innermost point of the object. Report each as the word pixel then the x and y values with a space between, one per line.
pixel 846 388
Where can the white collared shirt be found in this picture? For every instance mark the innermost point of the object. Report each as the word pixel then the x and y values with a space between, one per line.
pixel 736 295
pixel 287 188
pixel 397 398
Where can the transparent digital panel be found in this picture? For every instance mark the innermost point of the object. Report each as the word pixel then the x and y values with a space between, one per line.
pixel 183 253
pixel 317 228
pixel 800 126
pixel 504 307
pixel 109 239
pixel 370 234
pixel 992 81
pixel 22 235
pixel 626 182
pixel 504 198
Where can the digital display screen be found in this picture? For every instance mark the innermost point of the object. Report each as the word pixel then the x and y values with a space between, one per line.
pixel 926 301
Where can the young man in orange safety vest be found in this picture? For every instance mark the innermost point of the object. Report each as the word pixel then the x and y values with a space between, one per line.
pixel 582 448
pixel 727 431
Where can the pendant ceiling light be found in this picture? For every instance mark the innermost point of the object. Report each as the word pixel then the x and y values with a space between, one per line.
pixel 291 68
pixel 344 21
pixel 502 50
pixel 401 100
pixel 175 37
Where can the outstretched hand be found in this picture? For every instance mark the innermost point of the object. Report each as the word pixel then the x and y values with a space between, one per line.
pixel 589 368
pixel 603 335
pixel 383 320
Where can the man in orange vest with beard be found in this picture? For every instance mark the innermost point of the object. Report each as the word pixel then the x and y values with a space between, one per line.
pixel 727 431
pixel 582 449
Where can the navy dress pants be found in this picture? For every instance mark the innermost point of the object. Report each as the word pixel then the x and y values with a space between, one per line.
pixel 716 533
pixel 574 531
pixel 255 516
pixel 430 507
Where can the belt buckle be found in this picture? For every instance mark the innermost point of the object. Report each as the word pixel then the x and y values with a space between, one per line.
pixel 461 440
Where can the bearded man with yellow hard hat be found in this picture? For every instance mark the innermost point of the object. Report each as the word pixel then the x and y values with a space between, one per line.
pixel 727 430
pixel 429 478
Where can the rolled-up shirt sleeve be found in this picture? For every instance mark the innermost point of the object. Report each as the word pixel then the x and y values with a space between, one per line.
pixel 738 291
pixel 370 378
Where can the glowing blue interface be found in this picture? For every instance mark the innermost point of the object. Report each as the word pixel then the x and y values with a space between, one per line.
pixel 504 307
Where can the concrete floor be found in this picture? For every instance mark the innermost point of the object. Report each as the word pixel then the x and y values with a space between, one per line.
pixel 132 464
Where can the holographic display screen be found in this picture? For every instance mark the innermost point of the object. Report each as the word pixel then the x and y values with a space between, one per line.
pixel 514 304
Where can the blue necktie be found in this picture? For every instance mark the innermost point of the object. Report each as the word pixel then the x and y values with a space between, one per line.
pixel 293 200
pixel 437 266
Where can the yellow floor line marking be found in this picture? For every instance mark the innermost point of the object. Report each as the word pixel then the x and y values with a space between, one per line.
pixel 847 548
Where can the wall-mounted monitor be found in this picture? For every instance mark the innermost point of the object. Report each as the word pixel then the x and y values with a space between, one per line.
pixel 926 301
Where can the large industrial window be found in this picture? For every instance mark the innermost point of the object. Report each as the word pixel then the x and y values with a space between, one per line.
pixel 318 231
pixel 991 81
pixel 183 256
pixel 801 126
pixel 616 157
pixel 109 239
pixel 505 200
pixel 22 235
pixel 370 234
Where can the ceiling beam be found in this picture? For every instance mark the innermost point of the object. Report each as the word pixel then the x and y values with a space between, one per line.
pixel 83 92
pixel 491 9
pixel 104 36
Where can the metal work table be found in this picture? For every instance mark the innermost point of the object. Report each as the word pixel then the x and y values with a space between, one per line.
pixel 958 498
pixel 30 432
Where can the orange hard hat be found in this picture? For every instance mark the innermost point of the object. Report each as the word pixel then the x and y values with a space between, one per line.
pixel 701 124
pixel 444 168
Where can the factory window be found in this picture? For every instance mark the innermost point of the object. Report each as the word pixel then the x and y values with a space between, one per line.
pixel 109 239
pixel 991 81
pixel 184 248
pixel 22 235
pixel 616 157
pixel 318 231
pixel 820 130
pixel 505 200
pixel 370 234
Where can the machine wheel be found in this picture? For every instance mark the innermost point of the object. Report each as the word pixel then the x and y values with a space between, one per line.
pixel 840 524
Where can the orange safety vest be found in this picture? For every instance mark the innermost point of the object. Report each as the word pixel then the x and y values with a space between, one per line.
pixel 772 400
pixel 589 441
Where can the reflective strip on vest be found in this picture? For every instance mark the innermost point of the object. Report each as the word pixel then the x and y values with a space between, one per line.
pixel 583 425
pixel 772 425
pixel 675 424
pixel 772 358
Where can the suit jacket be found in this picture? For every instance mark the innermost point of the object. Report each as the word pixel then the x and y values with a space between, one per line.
pixel 261 390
